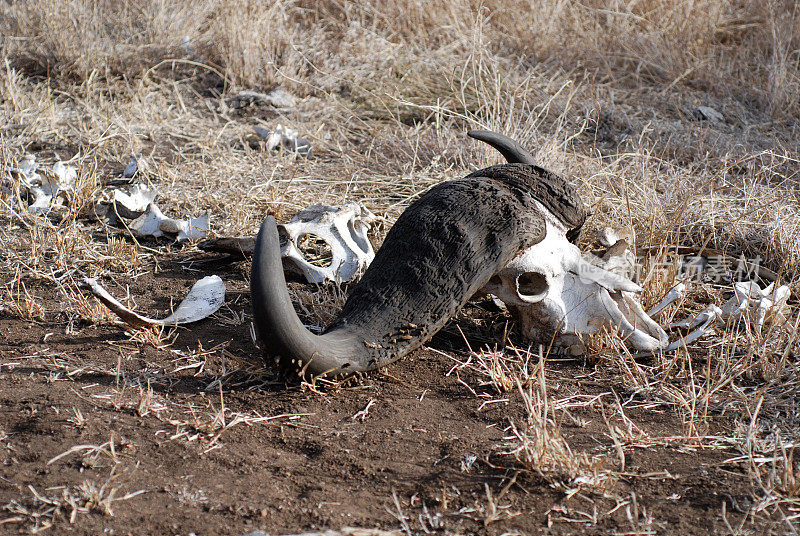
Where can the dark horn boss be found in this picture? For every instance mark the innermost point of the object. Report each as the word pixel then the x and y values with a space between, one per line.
pixel 439 253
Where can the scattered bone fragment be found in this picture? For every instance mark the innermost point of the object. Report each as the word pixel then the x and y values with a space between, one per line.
pixel 344 229
pixel 44 187
pixel 154 223
pixel 280 98
pixel 676 293
pixel 276 97
pixel 26 166
pixel 284 137
pixel 757 304
pixel 703 324
pixel 133 204
pixel 205 297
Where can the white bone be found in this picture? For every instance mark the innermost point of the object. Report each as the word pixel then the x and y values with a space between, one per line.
pixel 692 322
pixel 678 292
pixel 344 230
pixel 755 304
pixel 286 137
pixel 558 293
pixel 706 320
pixel 135 166
pixel 609 236
pixel 27 167
pixel 45 187
pixel 205 297
pixel 589 273
pixel 154 223
pixel 135 202
pixel 618 260
pixel 554 290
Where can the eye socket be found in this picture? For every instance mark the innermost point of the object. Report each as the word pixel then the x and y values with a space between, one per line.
pixel 532 286
pixel 315 250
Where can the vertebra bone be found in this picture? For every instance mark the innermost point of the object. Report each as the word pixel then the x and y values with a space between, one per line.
pixel 344 230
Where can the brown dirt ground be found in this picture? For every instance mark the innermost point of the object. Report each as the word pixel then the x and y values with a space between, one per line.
pixel 315 464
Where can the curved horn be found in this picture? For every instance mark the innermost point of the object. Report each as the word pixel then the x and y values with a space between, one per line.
pixel 512 151
pixel 439 253
pixel 279 328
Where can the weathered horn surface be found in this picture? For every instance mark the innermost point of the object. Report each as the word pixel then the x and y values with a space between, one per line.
pixel 440 252
pixel 552 190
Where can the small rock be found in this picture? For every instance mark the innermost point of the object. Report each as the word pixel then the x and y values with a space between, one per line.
pixel 707 113
pixel 132 168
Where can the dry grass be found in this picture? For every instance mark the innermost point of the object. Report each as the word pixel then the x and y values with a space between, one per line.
pixel 603 92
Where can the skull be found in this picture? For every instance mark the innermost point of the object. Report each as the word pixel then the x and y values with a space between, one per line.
pixel 557 292
pixel 343 229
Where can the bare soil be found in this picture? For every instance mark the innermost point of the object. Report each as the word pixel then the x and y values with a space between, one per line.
pixel 391 450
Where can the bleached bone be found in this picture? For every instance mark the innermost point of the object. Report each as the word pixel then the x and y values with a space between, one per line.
pixel 343 229
pixel 136 165
pixel 52 183
pixel 204 299
pixel 712 311
pixel 556 291
pixel 26 167
pixel 756 304
pixel 154 223
pixel 135 202
pixel 285 137
pixel 678 292
pixel 609 236
pixel 45 186
pixel 704 321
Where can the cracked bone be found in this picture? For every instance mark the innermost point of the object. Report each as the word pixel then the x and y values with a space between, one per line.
pixel 344 229
pixel 204 299
pixel 154 223
pixel 135 202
